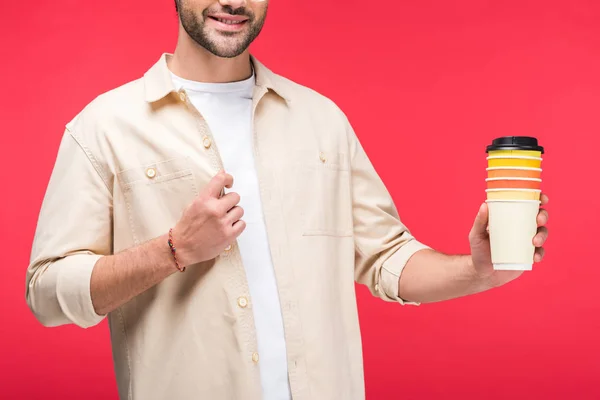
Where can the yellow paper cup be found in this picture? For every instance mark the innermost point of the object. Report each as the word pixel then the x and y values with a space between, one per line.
pixel 513 161
pixel 526 153
pixel 512 194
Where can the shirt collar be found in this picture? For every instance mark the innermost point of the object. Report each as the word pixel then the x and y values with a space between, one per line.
pixel 158 83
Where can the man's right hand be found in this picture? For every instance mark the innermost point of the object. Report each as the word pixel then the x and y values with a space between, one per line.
pixel 210 223
pixel 207 226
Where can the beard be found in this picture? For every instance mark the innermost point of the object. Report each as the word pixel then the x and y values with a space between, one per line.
pixel 220 43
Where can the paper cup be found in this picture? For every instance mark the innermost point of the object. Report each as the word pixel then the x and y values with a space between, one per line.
pixel 508 172
pixel 514 183
pixel 508 161
pixel 527 153
pixel 519 168
pixel 513 194
pixel 512 227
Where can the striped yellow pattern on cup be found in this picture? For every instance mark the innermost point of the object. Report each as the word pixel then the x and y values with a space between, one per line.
pixel 512 161
pixel 526 153
pixel 514 175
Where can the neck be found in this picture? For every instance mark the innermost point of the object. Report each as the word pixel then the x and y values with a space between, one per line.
pixel 193 62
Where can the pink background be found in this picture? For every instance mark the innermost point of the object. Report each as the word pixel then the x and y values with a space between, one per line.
pixel 427 84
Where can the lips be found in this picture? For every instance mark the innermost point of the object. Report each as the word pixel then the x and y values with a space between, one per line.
pixel 228 18
pixel 228 22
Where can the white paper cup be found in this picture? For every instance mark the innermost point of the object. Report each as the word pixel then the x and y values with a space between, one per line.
pixel 512 227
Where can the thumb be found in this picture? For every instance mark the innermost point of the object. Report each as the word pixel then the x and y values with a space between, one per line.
pixel 479 229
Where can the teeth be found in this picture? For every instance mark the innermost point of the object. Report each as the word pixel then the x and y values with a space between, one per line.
pixel 228 21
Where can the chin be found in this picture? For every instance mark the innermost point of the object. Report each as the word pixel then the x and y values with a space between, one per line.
pixel 227 55
pixel 227 50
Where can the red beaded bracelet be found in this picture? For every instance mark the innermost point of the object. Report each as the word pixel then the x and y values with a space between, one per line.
pixel 174 251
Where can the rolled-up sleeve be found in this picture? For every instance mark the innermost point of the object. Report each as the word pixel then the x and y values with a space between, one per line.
pixel 383 243
pixel 73 232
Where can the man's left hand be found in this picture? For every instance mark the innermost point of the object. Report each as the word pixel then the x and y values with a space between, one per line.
pixel 481 257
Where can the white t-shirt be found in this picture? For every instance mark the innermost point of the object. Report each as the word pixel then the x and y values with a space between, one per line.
pixel 227 108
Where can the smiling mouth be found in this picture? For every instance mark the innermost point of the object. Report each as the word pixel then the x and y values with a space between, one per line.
pixel 229 21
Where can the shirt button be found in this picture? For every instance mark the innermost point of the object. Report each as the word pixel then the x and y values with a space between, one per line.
pixel 242 302
pixel 322 157
pixel 255 357
pixel 150 173
pixel 206 142
pixel 182 96
pixel 228 248
pixel 376 288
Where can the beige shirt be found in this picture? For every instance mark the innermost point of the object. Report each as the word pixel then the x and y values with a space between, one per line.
pixel 128 165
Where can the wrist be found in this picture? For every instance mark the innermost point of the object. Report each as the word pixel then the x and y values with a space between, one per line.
pixel 159 251
pixel 175 253
pixel 480 281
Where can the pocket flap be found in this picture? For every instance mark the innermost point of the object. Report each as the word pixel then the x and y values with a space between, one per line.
pixel 320 159
pixel 155 172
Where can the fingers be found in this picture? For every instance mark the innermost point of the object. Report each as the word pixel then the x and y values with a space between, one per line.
pixel 238 228
pixel 539 254
pixel 218 183
pixel 542 233
pixel 228 201
pixel 542 217
pixel 234 215
pixel 541 236
pixel 238 225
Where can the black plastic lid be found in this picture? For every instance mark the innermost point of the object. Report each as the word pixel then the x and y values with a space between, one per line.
pixel 515 143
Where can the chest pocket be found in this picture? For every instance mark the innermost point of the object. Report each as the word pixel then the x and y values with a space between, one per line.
pixel 156 195
pixel 322 190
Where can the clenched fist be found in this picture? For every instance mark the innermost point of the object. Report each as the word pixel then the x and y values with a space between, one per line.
pixel 210 223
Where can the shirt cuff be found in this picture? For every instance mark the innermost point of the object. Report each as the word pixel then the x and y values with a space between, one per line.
pixel 73 289
pixel 392 269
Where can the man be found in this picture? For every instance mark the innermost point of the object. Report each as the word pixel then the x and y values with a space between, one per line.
pixel 269 250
